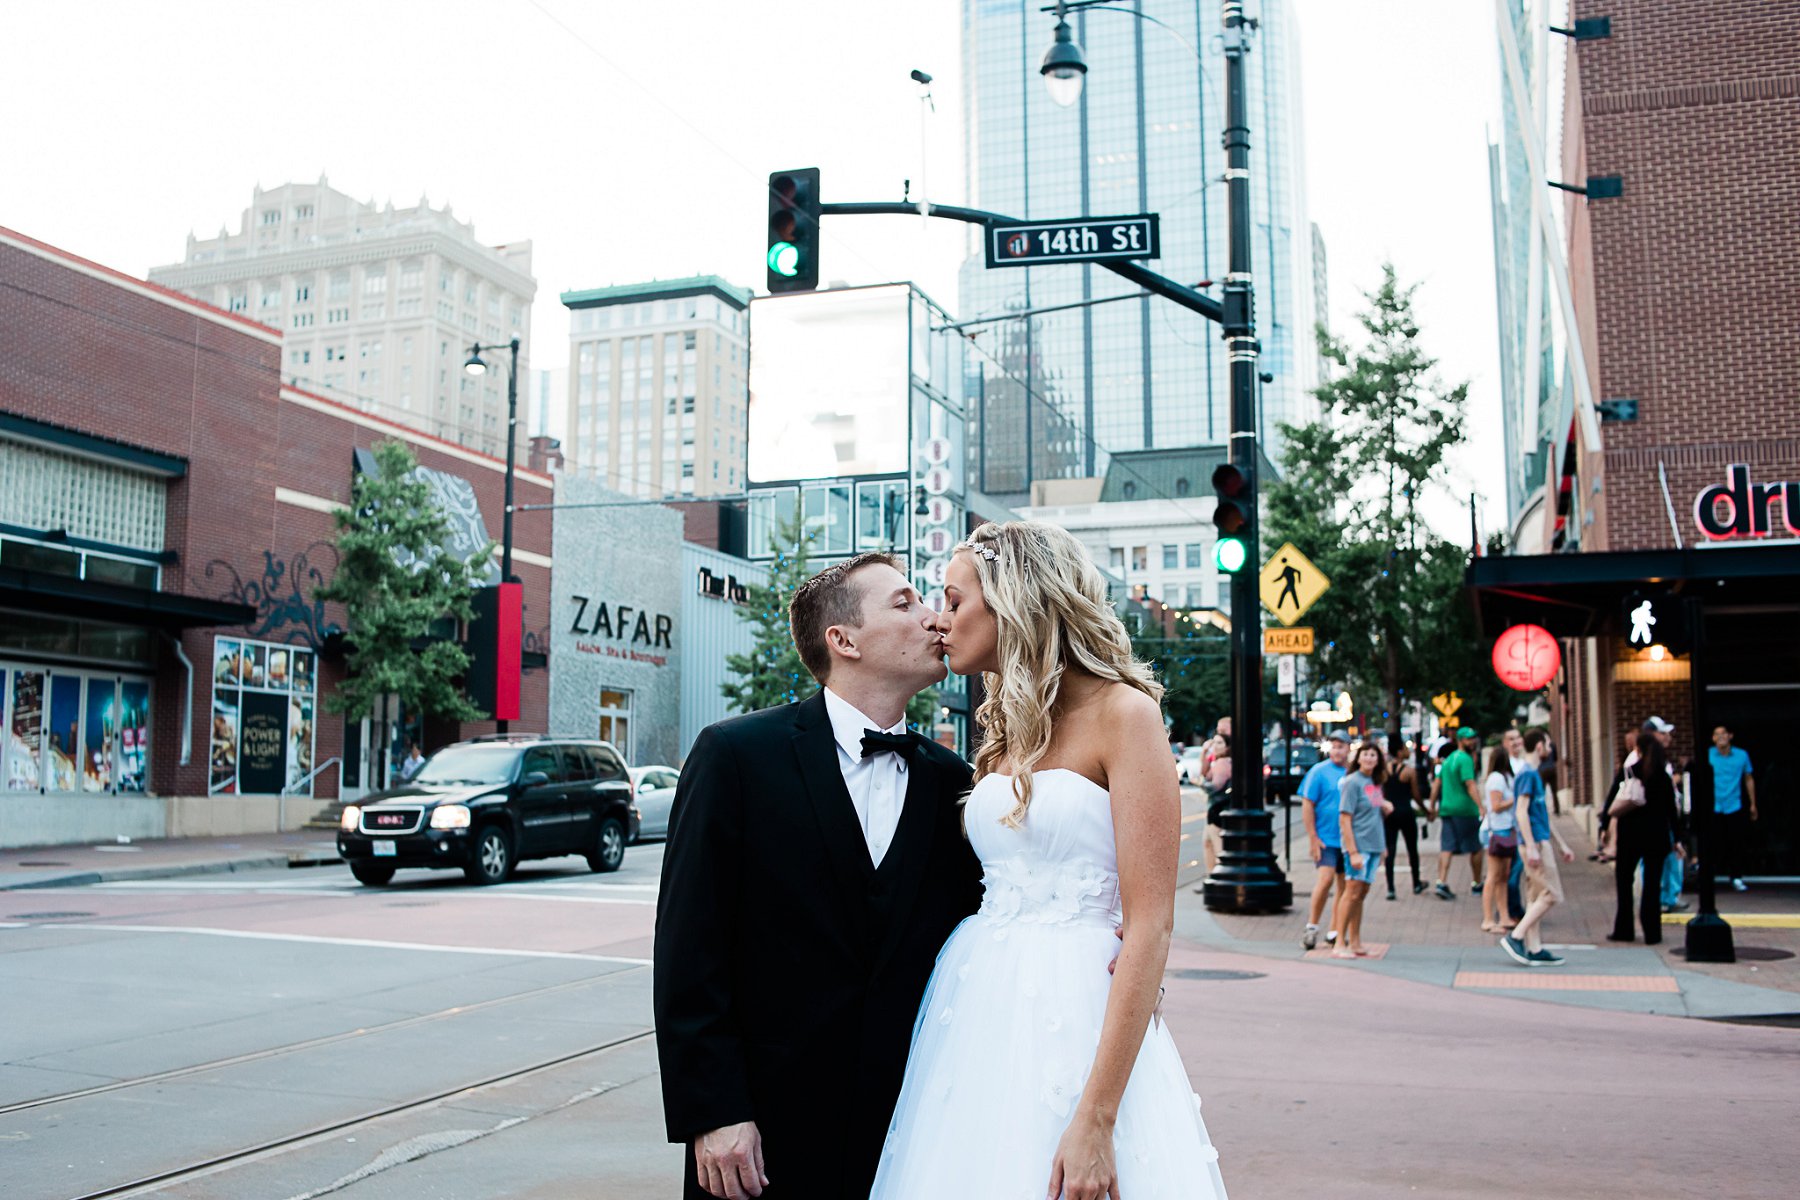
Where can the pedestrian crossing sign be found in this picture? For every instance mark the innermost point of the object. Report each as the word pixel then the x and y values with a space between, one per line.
pixel 1289 584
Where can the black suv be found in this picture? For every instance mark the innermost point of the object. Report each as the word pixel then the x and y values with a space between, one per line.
pixel 487 804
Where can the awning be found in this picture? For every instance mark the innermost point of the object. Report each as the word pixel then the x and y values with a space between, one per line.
pixel 1579 595
pixel 62 596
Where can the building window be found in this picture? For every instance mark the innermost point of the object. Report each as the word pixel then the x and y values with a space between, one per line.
pixel 615 719
pixel 271 296
pixel 1181 486
pixel 271 216
pixel 375 285
pixel 302 320
pixel 1170 557
pixel 1129 490
pixel 1140 557
pixel 240 302
pixel 74 731
pixel 264 698
pixel 340 287
pixel 302 293
pixel 302 212
pixel 1196 555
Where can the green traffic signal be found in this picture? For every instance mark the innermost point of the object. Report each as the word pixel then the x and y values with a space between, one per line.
pixel 1229 555
pixel 784 259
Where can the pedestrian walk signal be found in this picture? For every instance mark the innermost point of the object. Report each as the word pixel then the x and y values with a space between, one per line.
pixel 793 254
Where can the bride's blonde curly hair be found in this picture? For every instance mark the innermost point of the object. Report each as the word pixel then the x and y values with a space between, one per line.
pixel 1050 604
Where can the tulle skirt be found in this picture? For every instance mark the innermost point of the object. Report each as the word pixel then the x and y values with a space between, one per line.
pixel 1004 1042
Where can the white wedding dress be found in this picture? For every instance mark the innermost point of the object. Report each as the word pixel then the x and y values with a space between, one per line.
pixel 1011 1019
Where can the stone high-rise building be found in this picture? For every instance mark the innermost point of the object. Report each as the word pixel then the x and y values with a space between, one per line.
pixel 377 306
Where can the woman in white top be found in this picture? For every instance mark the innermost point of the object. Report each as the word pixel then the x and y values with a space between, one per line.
pixel 1503 838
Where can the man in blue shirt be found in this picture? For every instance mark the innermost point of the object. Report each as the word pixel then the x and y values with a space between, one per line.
pixel 1319 813
pixel 1733 786
pixel 1539 845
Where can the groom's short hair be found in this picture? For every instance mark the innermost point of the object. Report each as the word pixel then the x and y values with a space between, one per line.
pixel 829 598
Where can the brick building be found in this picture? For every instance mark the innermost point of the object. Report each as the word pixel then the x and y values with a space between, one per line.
pixel 165 514
pixel 1684 492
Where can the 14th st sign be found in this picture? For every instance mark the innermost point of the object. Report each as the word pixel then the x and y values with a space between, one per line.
pixel 1084 239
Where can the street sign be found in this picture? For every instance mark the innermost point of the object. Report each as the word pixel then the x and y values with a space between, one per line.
pixel 935 570
pixel 938 511
pixel 1284 674
pixel 937 450
pixel 936 481
pixel 1298 640
pixel 1080 239
pixel 1290 584
pixel 1447 704
pixel 937 541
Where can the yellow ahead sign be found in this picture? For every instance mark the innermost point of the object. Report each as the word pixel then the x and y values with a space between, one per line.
pixel 1298 640
pixel 1447 704
pixel 1290 584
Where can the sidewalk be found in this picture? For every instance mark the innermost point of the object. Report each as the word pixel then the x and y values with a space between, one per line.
pixel 1424 938
pixel 63 866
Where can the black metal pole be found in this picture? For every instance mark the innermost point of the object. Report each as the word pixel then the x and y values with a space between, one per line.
pixel 506 519
pixel 1708 934
pixel 1247 877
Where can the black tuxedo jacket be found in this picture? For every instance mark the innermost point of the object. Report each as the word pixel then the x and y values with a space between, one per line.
pixel 788 968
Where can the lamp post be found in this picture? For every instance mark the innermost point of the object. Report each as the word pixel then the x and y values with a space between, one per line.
pixel 476 368
pixel 1247 878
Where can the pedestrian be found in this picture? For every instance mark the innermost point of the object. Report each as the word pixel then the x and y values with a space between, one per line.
pixel 1502 835
pixel 414 760
pixel 1604 828
pixel 1217 784
pixel 1324 839
pixel 1514 741
pixel 1548 771
pixel 1539 845
pixel 1400 790
pixel 1734 806
pixel 1459 814
pixel 1673 872
pixel 1644 813
pixel 1362 810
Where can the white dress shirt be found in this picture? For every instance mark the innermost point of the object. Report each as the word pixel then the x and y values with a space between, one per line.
pixel 877 784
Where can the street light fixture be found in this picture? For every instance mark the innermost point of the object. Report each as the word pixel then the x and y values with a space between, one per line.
pixel 476 367
pixel 1063 69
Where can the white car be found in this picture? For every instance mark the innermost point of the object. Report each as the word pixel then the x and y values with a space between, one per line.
pixel 653 793
pixel 1189 765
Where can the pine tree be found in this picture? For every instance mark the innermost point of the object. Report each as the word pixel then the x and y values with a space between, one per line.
pixel 1395 624
pixel 396 583
pixel 771 672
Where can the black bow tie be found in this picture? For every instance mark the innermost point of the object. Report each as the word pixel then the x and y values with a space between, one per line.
pixel 876 742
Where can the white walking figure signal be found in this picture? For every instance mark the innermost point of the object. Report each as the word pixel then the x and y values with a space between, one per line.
pixel 1642 618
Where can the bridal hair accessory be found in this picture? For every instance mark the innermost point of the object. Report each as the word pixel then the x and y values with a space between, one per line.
pixel 986 552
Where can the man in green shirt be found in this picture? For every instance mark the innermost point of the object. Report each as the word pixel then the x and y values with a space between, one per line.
pixel 1459 807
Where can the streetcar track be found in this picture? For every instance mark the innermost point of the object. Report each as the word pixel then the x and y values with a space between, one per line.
pixel 312 1043
pixel 272 1145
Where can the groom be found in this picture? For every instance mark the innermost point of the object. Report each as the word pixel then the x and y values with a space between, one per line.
pixel 815 865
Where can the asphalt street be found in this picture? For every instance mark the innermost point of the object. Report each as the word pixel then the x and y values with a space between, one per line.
pixel 290 1034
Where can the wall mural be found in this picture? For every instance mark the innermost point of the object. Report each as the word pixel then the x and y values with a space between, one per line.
pixel 285 610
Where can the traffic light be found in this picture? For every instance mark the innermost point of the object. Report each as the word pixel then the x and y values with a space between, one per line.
pixel 794 230
pixel 1231 517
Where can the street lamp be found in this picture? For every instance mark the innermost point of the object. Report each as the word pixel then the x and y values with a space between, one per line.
pixel 476 368
pixel 1063 69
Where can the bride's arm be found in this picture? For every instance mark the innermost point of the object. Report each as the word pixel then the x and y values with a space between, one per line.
pixel 1146 806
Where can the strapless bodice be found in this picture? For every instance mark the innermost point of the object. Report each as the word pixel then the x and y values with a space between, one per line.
pixel 1061 865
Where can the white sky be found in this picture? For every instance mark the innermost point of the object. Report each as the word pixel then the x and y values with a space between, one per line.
pixel 631 139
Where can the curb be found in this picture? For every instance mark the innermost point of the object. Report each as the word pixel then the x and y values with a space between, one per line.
pixel 176 870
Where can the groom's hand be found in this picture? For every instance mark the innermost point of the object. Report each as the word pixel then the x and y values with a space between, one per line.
pixel 730 1161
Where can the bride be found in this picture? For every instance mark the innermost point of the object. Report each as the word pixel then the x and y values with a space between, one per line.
pixel 1033 1072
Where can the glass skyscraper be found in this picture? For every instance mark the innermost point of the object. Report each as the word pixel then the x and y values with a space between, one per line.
pixel 1055 394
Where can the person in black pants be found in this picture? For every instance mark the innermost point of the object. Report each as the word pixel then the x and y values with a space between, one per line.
pixel 1402 822
pixel 1644 834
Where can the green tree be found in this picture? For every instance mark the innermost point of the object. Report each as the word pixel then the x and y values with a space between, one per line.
pixel 398 584
pixel 1192 660
pixel 771 672
pixel 1394 625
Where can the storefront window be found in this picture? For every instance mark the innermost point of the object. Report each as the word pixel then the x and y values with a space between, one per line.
pixel 61 750
pixel 24 730
pixel 99 734
pixel 262 723
pixel 615 719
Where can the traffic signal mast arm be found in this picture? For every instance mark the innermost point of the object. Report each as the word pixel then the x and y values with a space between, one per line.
pixel 1167 288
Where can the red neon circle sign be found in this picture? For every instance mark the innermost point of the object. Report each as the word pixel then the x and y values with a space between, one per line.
pixel 1526 657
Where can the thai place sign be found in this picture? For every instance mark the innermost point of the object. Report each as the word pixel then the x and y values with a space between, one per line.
pixel 1741 508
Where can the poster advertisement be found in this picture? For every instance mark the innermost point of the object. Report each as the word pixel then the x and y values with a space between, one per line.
pixel 262 743
pixel 25 732
pixel 223 755
pixel 63 756
pixel 134 735
pixel 99 735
